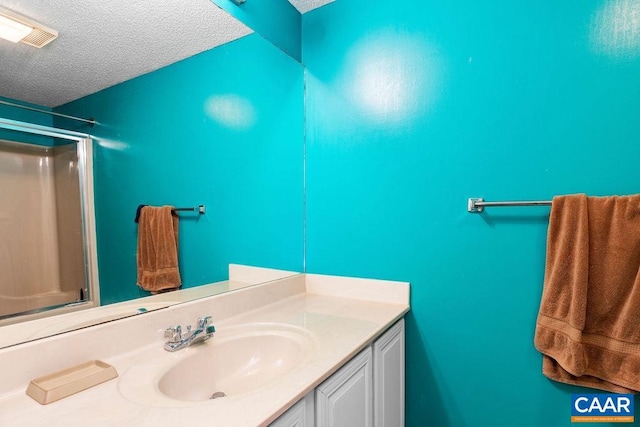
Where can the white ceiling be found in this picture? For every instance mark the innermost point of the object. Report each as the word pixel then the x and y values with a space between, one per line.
pixel 103 43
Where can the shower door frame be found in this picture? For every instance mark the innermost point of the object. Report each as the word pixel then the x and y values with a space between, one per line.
pixel 85 173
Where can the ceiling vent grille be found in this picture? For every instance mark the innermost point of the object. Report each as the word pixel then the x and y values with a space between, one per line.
pixel 39 35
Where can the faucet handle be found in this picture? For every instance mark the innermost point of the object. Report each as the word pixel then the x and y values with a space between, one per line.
pixel 174 333
pixel 203 322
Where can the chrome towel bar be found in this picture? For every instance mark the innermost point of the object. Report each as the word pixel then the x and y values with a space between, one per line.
pixel 200 209
pixel 477 204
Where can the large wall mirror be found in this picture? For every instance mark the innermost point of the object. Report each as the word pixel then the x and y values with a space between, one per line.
pixel 219 124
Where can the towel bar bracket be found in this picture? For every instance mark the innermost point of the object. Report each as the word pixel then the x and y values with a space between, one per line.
pixel 472 205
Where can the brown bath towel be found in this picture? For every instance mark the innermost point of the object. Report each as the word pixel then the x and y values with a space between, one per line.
pixel 158 249
pixel 588 327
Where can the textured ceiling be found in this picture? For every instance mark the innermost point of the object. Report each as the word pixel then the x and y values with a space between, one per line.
pixel 103 43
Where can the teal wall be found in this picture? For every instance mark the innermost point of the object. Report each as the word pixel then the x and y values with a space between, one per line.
pixel 413 107
pixel 224 129
pixel 276 20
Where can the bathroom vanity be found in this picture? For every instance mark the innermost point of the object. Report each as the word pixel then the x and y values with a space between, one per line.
pixel 308 350
pixel 367 391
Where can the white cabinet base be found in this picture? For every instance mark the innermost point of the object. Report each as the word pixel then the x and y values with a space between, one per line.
pixel 368 391
pixel 388 371
pixel 299 415
pixel 346 398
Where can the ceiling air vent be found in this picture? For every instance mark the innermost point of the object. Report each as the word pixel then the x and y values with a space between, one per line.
pixel 17 28
pixel 40 36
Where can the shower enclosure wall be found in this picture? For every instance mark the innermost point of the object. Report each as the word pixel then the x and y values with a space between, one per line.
pixel 42 233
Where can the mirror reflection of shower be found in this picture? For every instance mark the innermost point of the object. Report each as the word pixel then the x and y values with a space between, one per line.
pixel 42 251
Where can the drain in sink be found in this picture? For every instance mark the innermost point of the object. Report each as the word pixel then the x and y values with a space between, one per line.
pixel 217 394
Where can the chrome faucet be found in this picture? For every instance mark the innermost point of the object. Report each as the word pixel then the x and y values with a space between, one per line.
pixel 203 332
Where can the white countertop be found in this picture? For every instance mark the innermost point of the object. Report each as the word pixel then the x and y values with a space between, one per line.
pixel 74 316
pixel 341 327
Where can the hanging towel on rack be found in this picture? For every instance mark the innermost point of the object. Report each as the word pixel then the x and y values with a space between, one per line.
pixel 157 252
pixel 588 326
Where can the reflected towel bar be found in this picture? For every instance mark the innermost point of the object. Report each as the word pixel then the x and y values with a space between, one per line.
pixel 477 205
pixel 200 209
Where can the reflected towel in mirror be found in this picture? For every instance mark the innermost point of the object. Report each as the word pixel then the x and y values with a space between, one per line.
pixel 157 253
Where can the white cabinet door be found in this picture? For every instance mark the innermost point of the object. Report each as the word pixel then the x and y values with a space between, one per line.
pixel 368 391
pixel 345 399
pixel 299 415
pixel 388 371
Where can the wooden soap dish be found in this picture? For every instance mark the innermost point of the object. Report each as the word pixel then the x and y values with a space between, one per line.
pixel 66 382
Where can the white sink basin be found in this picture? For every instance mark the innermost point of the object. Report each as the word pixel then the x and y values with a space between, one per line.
pixel 236 364
pixel 236 361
